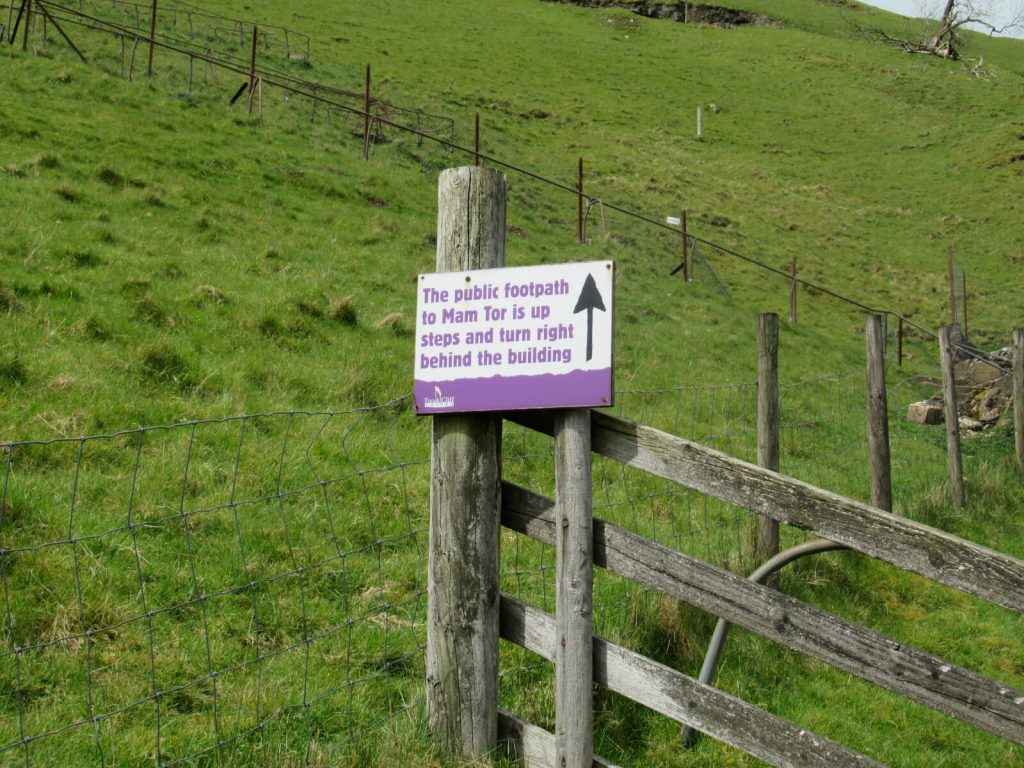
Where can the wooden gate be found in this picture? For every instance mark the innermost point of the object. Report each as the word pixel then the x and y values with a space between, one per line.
pixel 467 614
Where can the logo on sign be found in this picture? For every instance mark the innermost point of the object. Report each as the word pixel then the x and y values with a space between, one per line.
pixel 438 400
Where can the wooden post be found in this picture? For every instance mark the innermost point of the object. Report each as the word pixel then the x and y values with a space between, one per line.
pixel 766 542
pixel 689 261
pixel 700 123
pixel 956 467
pixel 579 202
pixel 574 674
pixel 152 41
pixel 366 116
pixel 963 284
pixel 683 245
pixel 131 59
pixel 465 501
pixel 252 65
pixel 1018 393
pixel 10 15
pixel 792 292
pixel 899 343
pixel 952 285
pixel 12 31
pixel 878 416
pixel 28 25
pixel 476 138
pixel 259 89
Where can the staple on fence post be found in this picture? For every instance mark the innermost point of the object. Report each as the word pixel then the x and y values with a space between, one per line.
pixel 574 620
pixel 465 501
pixel 955 460
pixel 878 416
pixel 1018 394
pixel 152 36
pixel 766 534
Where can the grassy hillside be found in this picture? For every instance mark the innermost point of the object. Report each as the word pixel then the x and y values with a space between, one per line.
pixel 166 258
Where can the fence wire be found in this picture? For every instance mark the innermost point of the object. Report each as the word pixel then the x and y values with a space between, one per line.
pixel 248 589
pixel 252 589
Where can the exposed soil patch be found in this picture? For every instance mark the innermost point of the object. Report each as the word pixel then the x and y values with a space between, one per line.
pixel 686 13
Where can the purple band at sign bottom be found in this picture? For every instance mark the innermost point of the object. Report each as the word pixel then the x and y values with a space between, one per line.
pixel 576 389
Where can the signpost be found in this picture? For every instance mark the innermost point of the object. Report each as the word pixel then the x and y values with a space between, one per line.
pixel 515 338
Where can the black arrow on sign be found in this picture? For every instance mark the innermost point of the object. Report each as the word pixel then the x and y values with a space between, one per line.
pixel 589 300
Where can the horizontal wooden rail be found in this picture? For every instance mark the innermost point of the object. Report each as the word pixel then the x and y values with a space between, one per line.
pixel 945 687
pixel 904 543
pixel 683 699
pixel 533 746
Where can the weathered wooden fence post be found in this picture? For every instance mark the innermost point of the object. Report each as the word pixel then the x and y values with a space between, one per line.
pixel 252 65
pixel 574 673
pixel 792 292
pixel 766 540
pixel 366 128
pixel 465 501
pixel 152 39
pixel 878 416
pixel 579 202
pixel 28 24
pixel 1018 393
pixel 956 467
pixel 899 343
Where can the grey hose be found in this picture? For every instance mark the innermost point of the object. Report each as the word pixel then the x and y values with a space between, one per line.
pixel 759 576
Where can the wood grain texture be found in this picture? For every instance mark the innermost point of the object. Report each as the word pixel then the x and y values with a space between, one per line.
pixel 922 677
pixel 574 589
pixel 878 416
pixel 1018 394
pixel 953 455
pixel 685 700
pixel 907 544
pixel 766 538
pixel 465 502
pixel 531 745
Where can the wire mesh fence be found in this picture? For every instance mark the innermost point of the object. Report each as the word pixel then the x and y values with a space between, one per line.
pixel 238 590
pixel 252 589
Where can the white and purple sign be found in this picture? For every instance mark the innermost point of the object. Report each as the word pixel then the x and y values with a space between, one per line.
pixel 515 338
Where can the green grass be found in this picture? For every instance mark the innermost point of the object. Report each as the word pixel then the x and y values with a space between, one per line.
pixel 166 259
